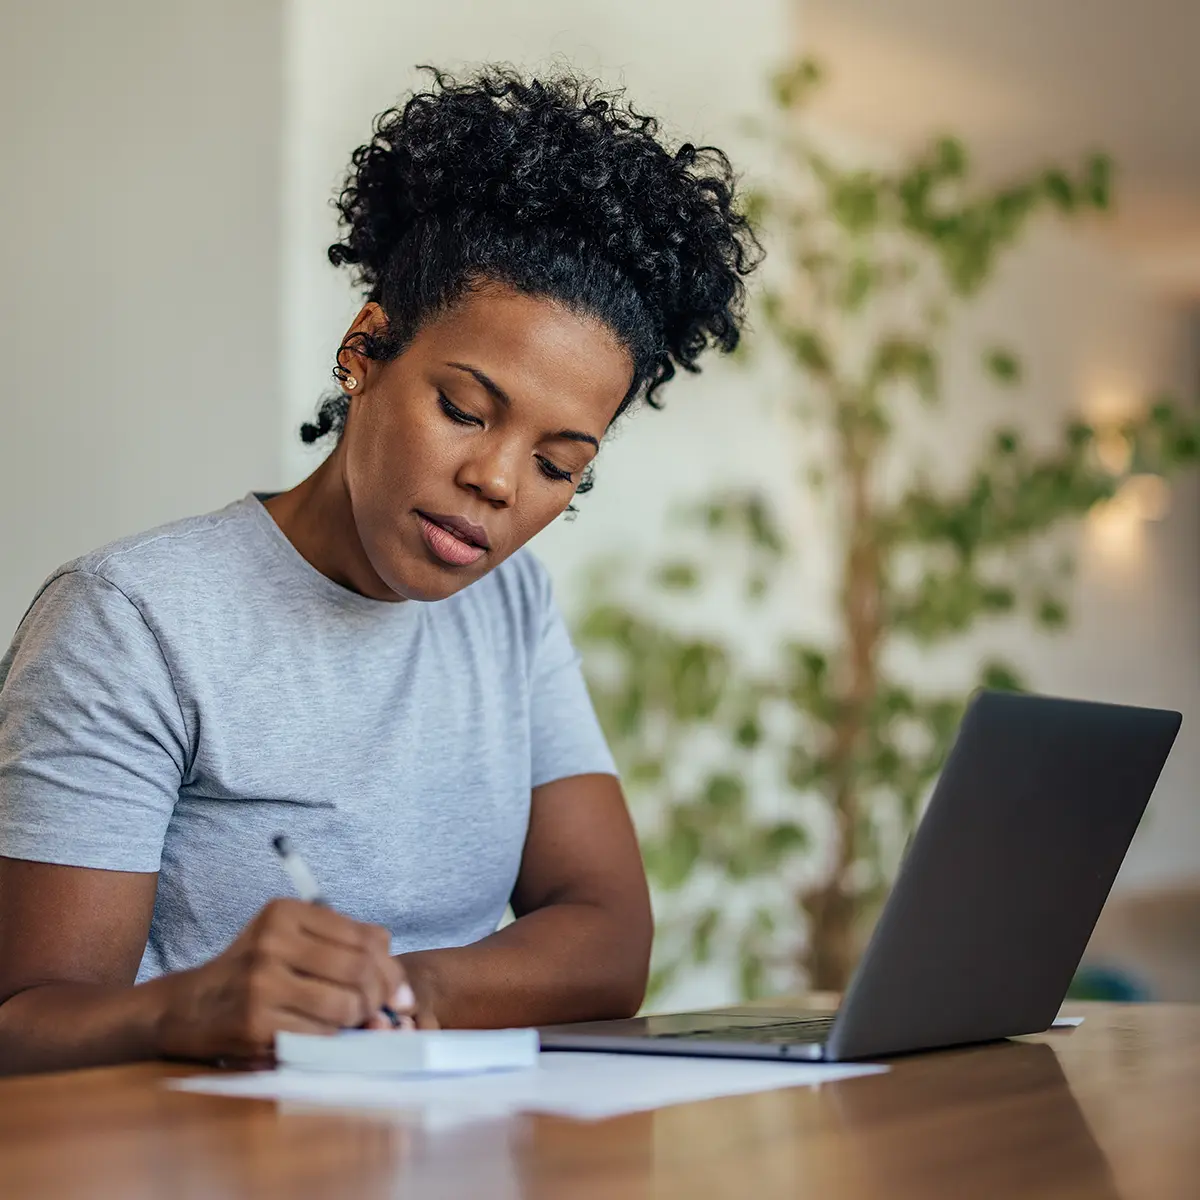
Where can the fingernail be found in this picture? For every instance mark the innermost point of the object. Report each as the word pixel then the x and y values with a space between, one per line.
pixel 406 1025
pixel 404 997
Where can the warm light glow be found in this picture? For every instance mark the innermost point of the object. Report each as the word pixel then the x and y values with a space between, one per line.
pixel 1147 495
pixel 1113 451
pixel 1111 399
pixel 1116 530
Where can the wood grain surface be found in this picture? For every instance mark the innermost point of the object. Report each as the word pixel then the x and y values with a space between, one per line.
pixel 1110 1109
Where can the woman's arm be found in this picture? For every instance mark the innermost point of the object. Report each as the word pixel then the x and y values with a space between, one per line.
pixel 71 939
pixel 70 943
pixel 580 946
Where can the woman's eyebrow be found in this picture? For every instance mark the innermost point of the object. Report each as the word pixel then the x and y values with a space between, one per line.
pixel 502 397
pixel 485 382
pixel 574 435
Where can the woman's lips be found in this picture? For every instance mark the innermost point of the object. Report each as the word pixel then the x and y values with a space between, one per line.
pixel 447 547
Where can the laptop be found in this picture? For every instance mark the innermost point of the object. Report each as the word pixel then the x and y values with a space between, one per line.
pixel 993 905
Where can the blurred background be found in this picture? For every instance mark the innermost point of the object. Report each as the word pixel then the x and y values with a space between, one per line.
pixel 959 447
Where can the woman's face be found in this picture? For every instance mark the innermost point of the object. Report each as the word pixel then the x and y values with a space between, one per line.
pixel 474 439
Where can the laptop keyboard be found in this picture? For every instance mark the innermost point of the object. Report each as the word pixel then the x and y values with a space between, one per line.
pixel 810 1029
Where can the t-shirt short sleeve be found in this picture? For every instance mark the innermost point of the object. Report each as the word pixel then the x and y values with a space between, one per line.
pixel 566 738
pixel 92 739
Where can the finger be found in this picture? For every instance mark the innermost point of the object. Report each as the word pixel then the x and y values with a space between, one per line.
pixel 375 943
pixel 289 1020
pixel 334 926
pixel 326 1003
pixel 370 971
pixel 343 965
pixel 403 1001
pixel 426 1020
pixel 389 973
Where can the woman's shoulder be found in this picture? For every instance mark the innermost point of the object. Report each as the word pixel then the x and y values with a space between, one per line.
pixel 173 552
pixel 167 540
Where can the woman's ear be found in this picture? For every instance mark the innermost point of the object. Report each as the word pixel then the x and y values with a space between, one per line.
pixel 354 368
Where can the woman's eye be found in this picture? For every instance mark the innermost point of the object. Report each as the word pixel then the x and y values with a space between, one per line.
pixel 553 472
pixel 455 413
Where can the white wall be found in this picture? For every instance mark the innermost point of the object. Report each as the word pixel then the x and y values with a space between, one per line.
pixel 139 276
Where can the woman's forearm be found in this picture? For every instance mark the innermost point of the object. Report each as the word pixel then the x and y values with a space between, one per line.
pixel 564 962
pixel 61 1026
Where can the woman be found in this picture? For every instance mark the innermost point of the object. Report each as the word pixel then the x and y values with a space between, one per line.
pixel 369 663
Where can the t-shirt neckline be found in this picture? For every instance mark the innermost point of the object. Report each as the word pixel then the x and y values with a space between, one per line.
pixel 304 571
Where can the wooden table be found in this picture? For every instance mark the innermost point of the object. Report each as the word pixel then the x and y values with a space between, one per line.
pixel 1111 1109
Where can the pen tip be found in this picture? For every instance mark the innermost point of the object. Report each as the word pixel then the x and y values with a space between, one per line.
pixel 281 844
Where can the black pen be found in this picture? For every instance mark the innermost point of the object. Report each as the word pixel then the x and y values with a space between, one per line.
pixel 307 888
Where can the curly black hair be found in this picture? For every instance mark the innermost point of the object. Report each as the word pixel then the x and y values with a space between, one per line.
pixel 555 188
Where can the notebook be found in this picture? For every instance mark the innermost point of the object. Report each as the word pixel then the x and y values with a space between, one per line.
pixel 426 1051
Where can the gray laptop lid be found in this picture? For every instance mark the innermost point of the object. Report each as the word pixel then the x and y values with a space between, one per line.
pixel 1008 872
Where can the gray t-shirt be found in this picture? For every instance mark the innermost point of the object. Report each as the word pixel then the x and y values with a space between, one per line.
pixel 173 701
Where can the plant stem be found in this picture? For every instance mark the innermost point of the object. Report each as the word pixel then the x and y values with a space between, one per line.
pixel 832 909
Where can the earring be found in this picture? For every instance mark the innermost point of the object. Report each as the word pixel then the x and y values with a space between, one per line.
pixel 350 383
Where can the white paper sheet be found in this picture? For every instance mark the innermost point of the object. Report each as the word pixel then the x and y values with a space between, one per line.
pixel 588 1087
pixel 1066 1022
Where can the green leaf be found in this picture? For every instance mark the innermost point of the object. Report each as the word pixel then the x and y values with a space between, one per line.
pixel 950 158
pixel 1098 181
pixel 605 623
pixel 1002 365
pixel 678 576
pixel 860 280
pixel 629 710
pixel 996 598
pixel 1051 613
pixel 814 663
pixel 1059 189
pixel 761 523
pixel 697 673
pixel 854 201
pixel 784 838
pixel 716 515
pixel 751 973
pixel 903 359
pixel 894 701
pixel 672 859
pixel 702 935
pixel 1000 677
pixel 792 87
pixel 805 769
pixel 725 793
pixel 1007 442
pixel 809 350
pixel 749 731
pixel 756 204
pixel 660 978
pixel 644 772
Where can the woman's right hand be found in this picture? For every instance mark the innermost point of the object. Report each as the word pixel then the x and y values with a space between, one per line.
pixel 296 967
